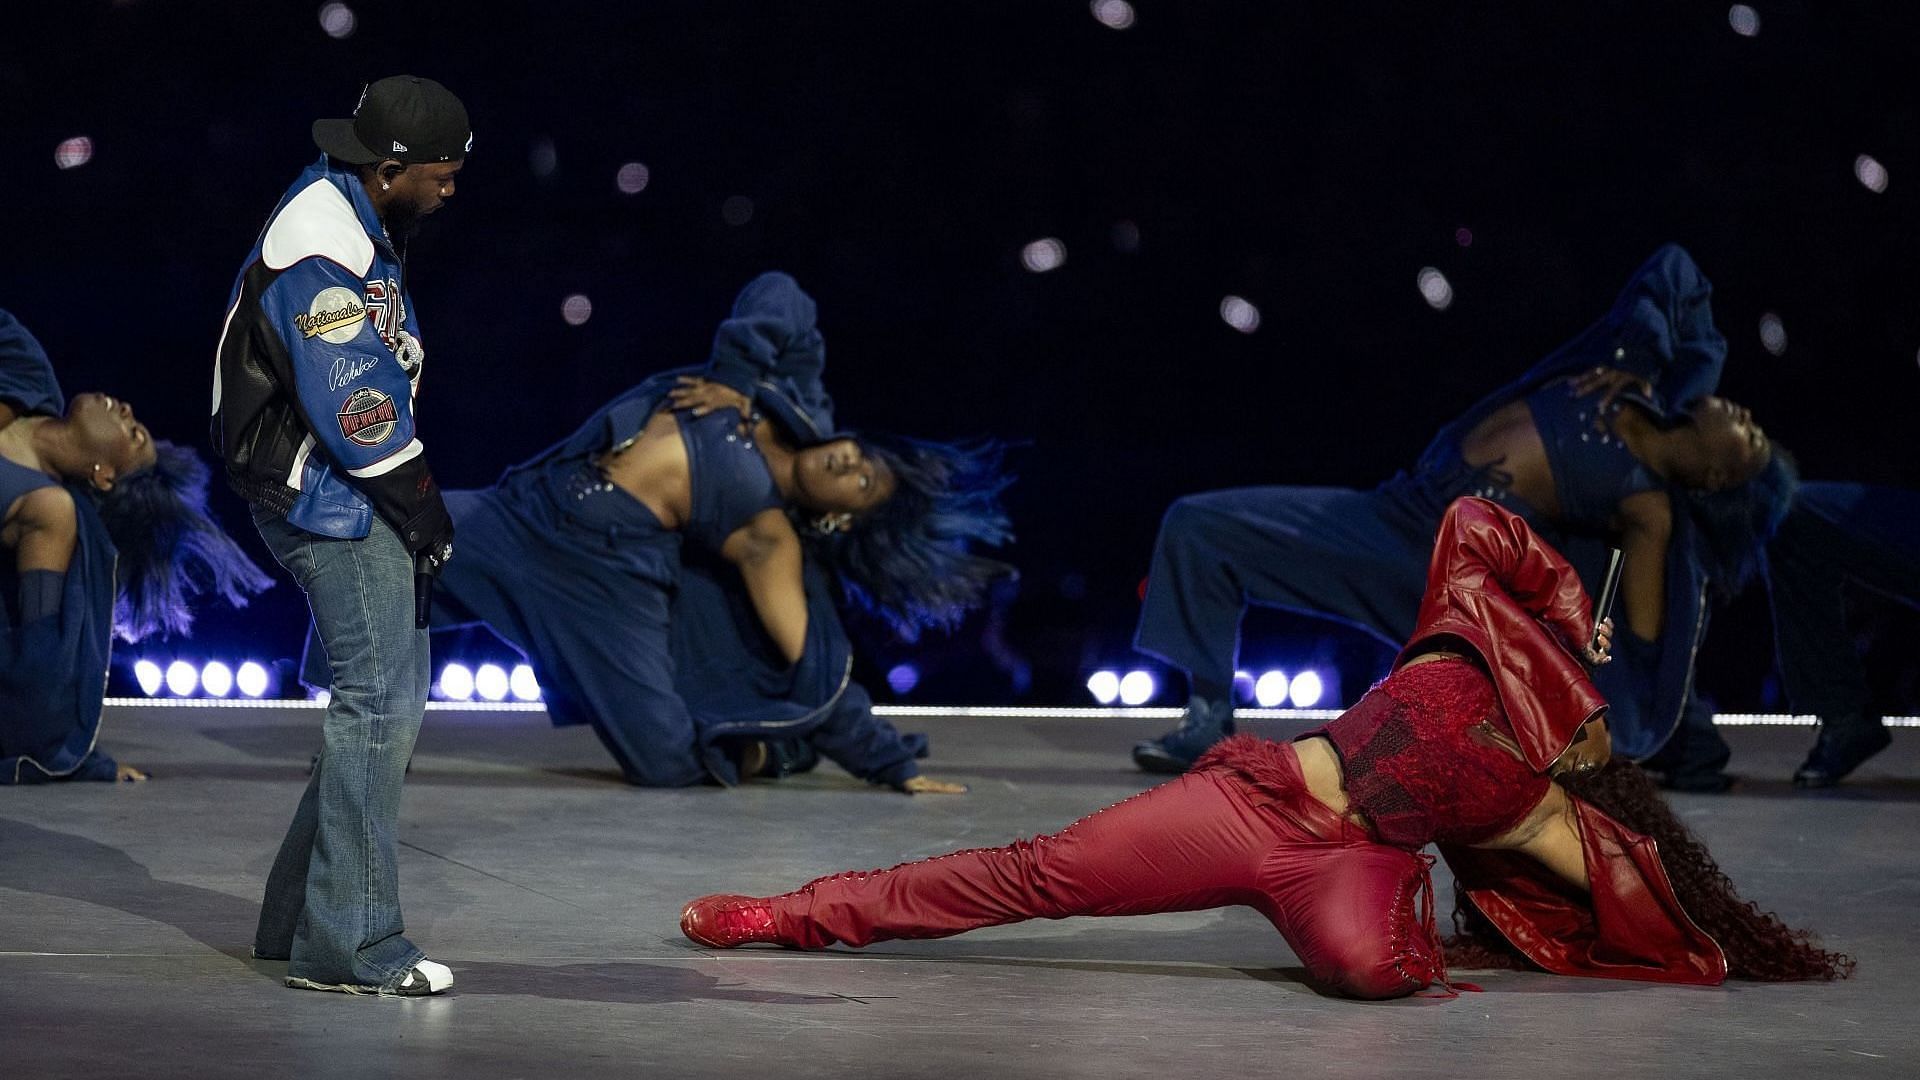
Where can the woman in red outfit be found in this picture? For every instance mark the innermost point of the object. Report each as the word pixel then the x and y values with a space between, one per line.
pixel 1488 739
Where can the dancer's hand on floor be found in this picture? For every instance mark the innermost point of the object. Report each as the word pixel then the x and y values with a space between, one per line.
pixel 127 774
pixel 927 785
pixel 703 396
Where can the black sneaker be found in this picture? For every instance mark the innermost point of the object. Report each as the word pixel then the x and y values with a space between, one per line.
pixel 1843 745
pixel 423 978
pixel 1206 723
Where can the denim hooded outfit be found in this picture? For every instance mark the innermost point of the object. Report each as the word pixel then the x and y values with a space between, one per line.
pixel 1360 556
pixel 645 633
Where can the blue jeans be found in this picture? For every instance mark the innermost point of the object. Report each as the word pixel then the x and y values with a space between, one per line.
pixel 332 906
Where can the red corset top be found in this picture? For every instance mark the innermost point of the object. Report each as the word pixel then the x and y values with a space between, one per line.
pixel 1426 758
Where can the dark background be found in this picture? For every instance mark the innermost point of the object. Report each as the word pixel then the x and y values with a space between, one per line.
pixel 1311 158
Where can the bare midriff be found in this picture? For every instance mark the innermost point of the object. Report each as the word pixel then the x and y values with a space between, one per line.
pixel 652 467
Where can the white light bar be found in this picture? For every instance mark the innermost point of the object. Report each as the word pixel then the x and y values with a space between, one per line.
pixel 970 712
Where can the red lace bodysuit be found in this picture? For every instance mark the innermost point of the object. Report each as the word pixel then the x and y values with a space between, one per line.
pixel 1428 756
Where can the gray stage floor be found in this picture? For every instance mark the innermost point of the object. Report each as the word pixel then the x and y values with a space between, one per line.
pixel 553 890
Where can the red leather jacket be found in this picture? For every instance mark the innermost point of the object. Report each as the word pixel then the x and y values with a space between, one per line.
pixel 1501 590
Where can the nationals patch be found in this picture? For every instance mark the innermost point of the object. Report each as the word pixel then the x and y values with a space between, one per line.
pixel 369 417
pixel 334 316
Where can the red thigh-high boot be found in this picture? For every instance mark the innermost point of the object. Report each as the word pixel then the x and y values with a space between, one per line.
pixel 1196 842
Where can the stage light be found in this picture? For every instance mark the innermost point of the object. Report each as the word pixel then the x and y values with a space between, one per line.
pixel 1113 14
pixel 73 153
pixel 1871 174
pixel 1773 334
pixel 216 679
pixel 1104 686
pixel 1125 236
pixel 338 20
pixel 490 681
pixel 1305 690
pixel 543 157
pixel 1137 688
pixel 737 210
pixel 1240 314
pixel 1435 288
pixel 252 679
pixel 903 678
pixel 1044 254
pixel 149 676
pixel 632 178
pixel 523 684
pixel 576 309
pixel 182 679
pixel 1270 691
pixel 1463 236
pixel 322 698
pixel 1242 686
pixel 1744 20
pixel 456 682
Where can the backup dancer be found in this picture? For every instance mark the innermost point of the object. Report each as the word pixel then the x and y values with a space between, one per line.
pixel 105 530
pixel 651 569
pixel 1488 738
pixel 1837 537
pixel 1613 440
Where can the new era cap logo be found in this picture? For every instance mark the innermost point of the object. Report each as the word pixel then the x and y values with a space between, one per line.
pixel 399 147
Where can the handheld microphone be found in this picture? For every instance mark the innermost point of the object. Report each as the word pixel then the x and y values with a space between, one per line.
pixel 422 590
pixel 1609 591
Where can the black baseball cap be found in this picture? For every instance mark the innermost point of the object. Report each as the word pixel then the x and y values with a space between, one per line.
pixel 403 118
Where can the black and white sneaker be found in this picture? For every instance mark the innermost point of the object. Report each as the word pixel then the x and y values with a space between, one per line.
pixel 425 977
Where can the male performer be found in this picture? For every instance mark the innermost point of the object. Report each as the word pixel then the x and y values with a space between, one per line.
pixel 313 412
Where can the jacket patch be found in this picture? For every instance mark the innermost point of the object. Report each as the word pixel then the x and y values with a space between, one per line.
pixel 334 316
pixel 369 417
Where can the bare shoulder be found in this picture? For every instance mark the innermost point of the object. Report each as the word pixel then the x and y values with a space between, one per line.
pixel 48 508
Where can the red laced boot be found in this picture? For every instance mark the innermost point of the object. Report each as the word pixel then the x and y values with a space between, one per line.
pixel 728 920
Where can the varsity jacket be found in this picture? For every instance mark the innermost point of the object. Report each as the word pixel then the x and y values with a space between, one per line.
pixel 315 375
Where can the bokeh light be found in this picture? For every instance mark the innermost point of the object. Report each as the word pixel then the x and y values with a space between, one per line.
pixel 1744 20
pixel 737 210
pixel 1463 236
pixel 216 679
pixel 490 681
pixel 543 157
pixel 456 682
pixel 1435 288
pixel 632 178
pixel 902 678
pixel 1270 690
pixel 1242 686
pixel 1305 690
pixel 525 687
pixel 1125 236
pixel 149 676
pixel 252 679
pixel 1104 686
pixel 338 20
pixel 1773 334
pixel 1114 14
pixel 1240 314
pixel 1137 688
pixel 576 309
pixel 182 678
pixel 1871 174
pixel 1044 254
pixel 73 153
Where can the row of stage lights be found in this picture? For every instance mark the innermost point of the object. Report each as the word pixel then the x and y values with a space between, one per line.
pixel 216 679
pixel 1271 690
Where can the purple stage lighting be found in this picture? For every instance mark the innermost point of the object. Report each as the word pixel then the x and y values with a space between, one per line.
pixel 1137 688
pixel 149 676
pixel 490 682
pixel 456 682
pixel 903 678
pixel 182 679
pixel 252 679
pixel 524 685
pixel 216 679
pixel 1306 690
pixel 1270 690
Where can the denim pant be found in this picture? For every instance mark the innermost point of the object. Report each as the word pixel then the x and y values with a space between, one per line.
pixel 332 905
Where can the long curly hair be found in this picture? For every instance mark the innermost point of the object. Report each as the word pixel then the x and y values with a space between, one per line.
pixel 171 550
pixel 910 562
pixel 1758 944
pixel 1737 523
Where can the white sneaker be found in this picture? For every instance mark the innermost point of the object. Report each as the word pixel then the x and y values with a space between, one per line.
pixel 426 977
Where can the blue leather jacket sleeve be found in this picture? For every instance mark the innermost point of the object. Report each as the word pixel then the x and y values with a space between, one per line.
pixel 355 396
pixel 770 336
